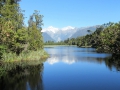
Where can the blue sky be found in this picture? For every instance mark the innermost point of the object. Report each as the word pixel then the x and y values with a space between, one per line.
pixel 76 13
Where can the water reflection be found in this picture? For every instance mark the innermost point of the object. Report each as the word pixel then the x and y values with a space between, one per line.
pixel 73 68
pixel 71 55
pixel 113 62
pixel 71 60
pixel 68 68
pixel 21 76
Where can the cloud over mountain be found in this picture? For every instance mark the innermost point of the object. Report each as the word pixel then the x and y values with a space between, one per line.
pixel 60 34
pixel 67 28
pixel 50 29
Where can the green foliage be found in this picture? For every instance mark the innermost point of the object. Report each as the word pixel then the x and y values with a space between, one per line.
pixel 106 38
pixel 15 38
pixel 11 26
pixel 35 39
pixel 54 43
pixel 110 38
pixel 25 56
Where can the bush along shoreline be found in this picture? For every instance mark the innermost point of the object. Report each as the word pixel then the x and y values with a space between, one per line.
pixel 18 41
pixel 25 56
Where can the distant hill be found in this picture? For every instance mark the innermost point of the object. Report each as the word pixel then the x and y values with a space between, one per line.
pixel 84 31
pixel 47 37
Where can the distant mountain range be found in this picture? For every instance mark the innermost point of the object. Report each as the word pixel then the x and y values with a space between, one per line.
pixel 47 37
pixel 84 31
pixel 56 34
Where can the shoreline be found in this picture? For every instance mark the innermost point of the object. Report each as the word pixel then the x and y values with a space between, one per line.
pixel 57 45
pixel 26 56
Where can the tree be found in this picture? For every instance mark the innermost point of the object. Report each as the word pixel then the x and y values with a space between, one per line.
pixel 12 31
pixel 34 31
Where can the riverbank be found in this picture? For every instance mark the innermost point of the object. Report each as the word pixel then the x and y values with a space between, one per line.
pixel 25 56
pixel 86 46
pixel 57 45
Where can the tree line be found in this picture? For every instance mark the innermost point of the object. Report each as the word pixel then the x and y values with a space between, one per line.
pixel 15 37
pixel 106 38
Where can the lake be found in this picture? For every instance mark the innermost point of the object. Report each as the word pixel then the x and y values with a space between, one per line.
pixel 67 68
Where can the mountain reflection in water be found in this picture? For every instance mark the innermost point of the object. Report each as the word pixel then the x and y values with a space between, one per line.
pixel 73 68
pixel 70 56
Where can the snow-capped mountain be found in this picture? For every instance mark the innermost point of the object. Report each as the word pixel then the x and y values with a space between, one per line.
pixel 84 31
pixel 58 34
pixel 50 29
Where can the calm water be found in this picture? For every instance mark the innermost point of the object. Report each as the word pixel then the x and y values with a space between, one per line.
pixel 67 68
pixel 72 68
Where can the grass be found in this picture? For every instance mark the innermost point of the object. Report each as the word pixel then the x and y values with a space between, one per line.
pixel 25 56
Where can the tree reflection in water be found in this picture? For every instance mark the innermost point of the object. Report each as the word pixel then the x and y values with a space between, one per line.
pixel 113 62
pixel 21 76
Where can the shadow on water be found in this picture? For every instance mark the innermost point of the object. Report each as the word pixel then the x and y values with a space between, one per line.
pixel 21 76
pixel 113 62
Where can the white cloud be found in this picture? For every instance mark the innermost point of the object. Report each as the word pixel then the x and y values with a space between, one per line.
pixel 66 60
pixel 50 28
pixel 54 29
pixel 53 60
pixel 67 28
pixel 69 60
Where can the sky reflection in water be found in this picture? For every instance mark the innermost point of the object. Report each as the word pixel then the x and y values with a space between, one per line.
pixel 73 54
pixel 73 68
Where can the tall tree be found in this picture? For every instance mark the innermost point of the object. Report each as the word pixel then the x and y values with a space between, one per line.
pixel 12 32
pixel 34 31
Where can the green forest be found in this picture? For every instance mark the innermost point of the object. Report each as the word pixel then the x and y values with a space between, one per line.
pixel 106 38
pixel 18 41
